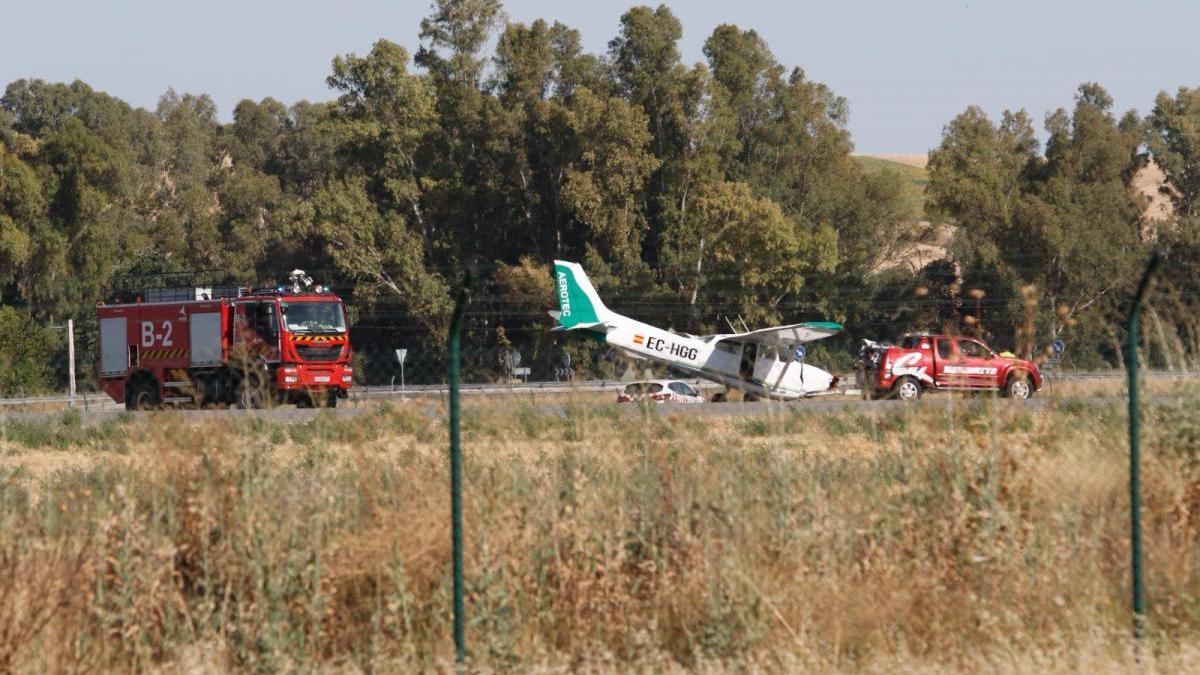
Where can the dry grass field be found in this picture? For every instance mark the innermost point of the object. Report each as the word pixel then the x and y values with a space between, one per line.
pixel 911 170
pixel 957 535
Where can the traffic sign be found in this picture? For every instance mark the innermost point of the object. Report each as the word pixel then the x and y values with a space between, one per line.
pixel 401 354
pixel 1058 346
pixel 801 352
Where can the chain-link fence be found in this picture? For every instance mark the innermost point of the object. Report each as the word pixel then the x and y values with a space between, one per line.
pixel 654 535
pixel 499 349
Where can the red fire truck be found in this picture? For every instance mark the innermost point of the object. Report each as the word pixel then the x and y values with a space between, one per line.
pixel 226 346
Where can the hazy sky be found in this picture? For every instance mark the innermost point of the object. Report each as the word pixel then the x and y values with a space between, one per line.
pixel 906 66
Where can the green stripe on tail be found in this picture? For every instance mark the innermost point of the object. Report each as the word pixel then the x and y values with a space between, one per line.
pixel 577 301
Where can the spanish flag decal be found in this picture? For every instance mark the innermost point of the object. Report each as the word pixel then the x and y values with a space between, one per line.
pixel 638 339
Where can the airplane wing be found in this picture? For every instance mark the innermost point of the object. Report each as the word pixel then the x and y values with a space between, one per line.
pixel 786 336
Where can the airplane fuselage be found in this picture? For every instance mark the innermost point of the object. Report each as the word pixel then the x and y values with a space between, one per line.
pixel 751 367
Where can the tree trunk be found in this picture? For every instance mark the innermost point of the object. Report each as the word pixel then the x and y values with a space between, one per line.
pixel 699 267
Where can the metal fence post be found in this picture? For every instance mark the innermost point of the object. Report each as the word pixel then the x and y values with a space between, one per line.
pixel 1135 498
pixel 71 361
pixel 460 307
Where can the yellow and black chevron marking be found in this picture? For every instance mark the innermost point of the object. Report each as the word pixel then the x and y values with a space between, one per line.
pixel 318 339
pixel 154 354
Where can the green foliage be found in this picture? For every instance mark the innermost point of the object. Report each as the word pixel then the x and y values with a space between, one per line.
pixel 21 205
pixel 27 350
pixel 912 179
pixel 1173 137
pixel 455 33
pixel 721 189
pixel 1032 229
pixel 660 177
pixel 734 221
pixel 1174 312
pixel 377 249
pixel 603 188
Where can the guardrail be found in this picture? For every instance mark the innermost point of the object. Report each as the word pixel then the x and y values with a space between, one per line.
pixel 97 401
pixel 501 388
pixel 87 402
pixel 1120 374
pixel 516 387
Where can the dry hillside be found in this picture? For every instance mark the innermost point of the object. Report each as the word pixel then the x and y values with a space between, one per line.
pixel 931 241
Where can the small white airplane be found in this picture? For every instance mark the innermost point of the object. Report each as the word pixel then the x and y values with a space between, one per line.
pixel 761 363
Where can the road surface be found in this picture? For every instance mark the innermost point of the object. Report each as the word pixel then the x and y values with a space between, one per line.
pixel 436 407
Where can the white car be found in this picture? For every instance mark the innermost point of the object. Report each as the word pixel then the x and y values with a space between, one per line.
pixel 660 391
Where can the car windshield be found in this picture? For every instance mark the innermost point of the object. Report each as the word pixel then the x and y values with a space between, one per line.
pixel 681 388
pixel 643 388
pixel 314 317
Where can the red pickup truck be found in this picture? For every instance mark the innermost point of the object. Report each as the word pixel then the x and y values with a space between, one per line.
pixel 924 362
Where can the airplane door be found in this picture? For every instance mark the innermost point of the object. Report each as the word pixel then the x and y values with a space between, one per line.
pixel 749 358
pixel 768 369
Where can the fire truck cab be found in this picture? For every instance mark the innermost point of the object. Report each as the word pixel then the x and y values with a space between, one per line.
pixel 226 346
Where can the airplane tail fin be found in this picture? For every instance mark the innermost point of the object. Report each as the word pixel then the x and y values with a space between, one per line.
pixel 579 306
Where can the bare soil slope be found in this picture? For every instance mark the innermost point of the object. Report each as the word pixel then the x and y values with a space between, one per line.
pixel 917 160
pixel 932 240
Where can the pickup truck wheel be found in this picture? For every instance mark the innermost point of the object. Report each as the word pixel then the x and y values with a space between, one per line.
pixel 1018 387
pixel 719 397
pixel 907 389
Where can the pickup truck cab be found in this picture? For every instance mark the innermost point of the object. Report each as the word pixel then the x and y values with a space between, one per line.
pixel 924 362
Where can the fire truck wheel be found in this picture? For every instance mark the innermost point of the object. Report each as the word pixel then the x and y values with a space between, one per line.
pixel 907 389
pixel 143 395
pixel 1018 387
pixel 331 399
pixel 251 393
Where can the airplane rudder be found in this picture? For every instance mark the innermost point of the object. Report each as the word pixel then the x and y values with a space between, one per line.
pixel 562 281
pixel 577 300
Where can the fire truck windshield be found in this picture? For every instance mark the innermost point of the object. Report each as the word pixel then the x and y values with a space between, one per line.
pixel 314 317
